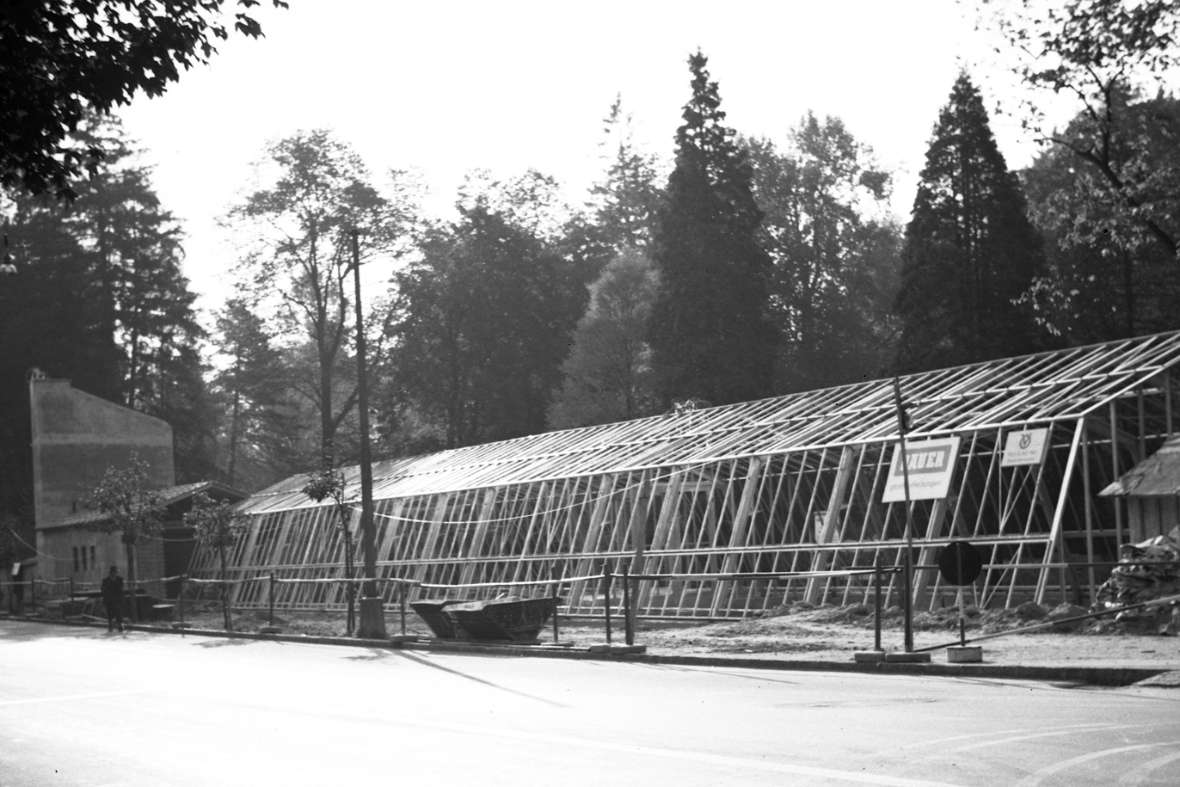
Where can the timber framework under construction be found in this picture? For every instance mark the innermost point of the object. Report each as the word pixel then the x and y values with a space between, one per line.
pixel 733 510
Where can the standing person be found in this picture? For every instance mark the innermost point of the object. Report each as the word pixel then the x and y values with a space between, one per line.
pixel 112 598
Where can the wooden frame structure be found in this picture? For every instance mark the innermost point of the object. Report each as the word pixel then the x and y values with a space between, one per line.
pixel 788 486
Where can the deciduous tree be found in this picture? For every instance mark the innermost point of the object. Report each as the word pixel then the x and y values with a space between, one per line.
pixel 302 264
pixel 131 507
pixel 607 376
pixel 834 253
pixel 1107 56
pixel 482 325
pixel 217 525
pixel 66 59
pixel 1107 278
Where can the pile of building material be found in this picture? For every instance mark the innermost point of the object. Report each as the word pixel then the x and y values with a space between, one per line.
pixel 1146 571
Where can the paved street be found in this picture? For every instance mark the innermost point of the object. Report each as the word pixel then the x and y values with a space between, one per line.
pixel 81 707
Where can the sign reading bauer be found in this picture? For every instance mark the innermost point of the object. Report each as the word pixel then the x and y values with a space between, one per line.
pixel 931 464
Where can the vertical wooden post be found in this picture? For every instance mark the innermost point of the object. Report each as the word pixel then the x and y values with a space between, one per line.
pixel 877 605
pixel 401 603
pixel 555 590
pixel 271 598
pixel 628 624
pixel 1087 508
pixel 606 577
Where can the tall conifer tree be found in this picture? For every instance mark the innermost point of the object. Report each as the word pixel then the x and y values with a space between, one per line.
pixel 710 334
pixel 970 251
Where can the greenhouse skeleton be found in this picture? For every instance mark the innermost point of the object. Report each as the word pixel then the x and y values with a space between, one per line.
pixel 735 510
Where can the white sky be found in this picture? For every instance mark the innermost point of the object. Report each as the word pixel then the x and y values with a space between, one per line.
pixel 446 87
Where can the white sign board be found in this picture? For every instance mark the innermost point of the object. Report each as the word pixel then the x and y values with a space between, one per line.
pixel 931 464
pixel 1025 448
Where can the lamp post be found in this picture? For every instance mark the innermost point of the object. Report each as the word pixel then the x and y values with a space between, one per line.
pixel 903 426
pixel 372 623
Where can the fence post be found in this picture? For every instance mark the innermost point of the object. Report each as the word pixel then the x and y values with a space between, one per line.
pixel 877 605
pixel 71 588
pixel 401 604
pixel 606 577
pixel 271 599
pixel 628 623
pixel 554 589
pixel 180 599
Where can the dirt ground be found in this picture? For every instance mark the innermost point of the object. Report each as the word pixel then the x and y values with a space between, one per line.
pixel 827 633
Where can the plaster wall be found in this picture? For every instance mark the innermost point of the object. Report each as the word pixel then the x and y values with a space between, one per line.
pixel 76 437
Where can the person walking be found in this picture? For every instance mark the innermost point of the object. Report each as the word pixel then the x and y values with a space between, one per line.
pixel 112 598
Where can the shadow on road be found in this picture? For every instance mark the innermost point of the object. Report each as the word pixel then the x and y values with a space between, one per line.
pixel 18 630
pixel 221 643
pixel 474 679
pixel 759 677
pixel 373 654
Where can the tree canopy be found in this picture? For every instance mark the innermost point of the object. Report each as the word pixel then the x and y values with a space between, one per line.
pixel 481 326
pixel 300 261
pixel 1107 56
pixel 65 60
pixel 833 251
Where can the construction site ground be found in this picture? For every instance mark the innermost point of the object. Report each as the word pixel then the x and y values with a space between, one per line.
pixel 820 634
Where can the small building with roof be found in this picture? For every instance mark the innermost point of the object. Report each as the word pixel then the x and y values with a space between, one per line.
pixel 76 437
pixel 1151 491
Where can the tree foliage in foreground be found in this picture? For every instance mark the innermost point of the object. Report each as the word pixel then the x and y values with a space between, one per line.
pixel 1108 56
pixel 131 506
pixel 970 251
pixel 1107 278
pixel 217 524
pixel 710 334
pixel 66 59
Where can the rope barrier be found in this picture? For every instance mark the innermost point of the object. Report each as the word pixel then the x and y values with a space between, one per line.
pixel 519 583
pixel 765 575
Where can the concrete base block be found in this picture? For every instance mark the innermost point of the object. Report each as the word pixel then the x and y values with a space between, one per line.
pixel 868 656
pixel 964 654
pixel 617 649
pixel 907 658
pixel 397 640
pixel 270 630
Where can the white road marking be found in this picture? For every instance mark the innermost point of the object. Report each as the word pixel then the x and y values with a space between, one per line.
pixel 695 756
pixel 67 697
pixel 1053 734
pixel 1140 773
pixel 1038 777
pixel 1010 732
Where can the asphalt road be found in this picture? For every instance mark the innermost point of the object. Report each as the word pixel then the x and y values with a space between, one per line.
pixel 82 707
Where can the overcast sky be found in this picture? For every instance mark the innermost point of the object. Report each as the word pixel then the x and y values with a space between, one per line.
pixel 446 87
